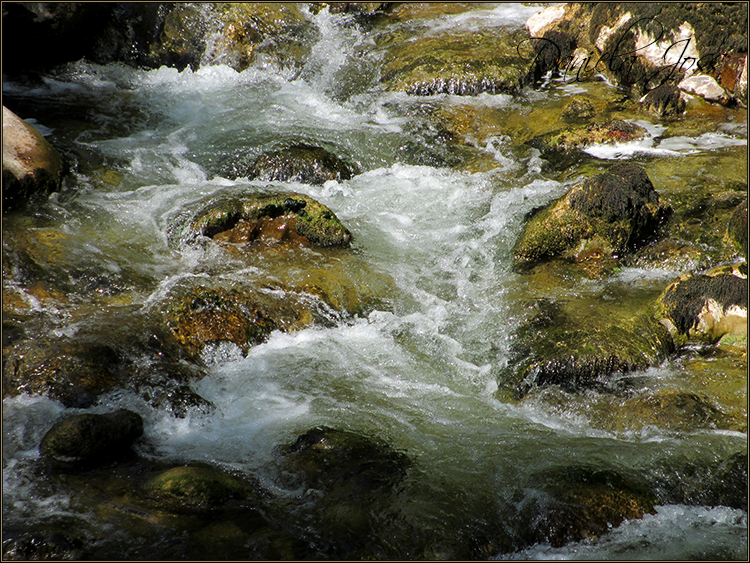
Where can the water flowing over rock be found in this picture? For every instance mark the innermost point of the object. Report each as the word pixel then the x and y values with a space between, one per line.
pixel 31 167
pixel 610 214
pixel 195 488
pixel 92 438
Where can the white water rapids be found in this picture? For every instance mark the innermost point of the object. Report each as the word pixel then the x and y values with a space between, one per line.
pixel 421 373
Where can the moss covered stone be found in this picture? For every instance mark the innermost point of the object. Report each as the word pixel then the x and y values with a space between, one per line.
pixel 556 346
pixel 557 144
pixel 457 63
pixel 580 502
pixel 664 100
pixel 610 214
pixel 707 306
pixel 577 108
pixel 312 222
pixel 194 488
pixel 92 438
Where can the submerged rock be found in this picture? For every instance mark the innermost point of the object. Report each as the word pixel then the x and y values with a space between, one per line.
pixel 327 458
pixel 276 215
pixel 92 439
pixel 577 108
pixel 298 163
pixel 31 167
pixel 194 488
pixel 578 503
pixel 705 307
pixel 610 215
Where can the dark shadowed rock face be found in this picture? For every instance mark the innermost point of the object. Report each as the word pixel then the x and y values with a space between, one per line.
pixel 92 439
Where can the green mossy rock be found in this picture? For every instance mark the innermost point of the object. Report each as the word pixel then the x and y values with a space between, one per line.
pixel 706 307
pixel 92 438
pixel 312 222
pixel 665 100
pixel 608 215
pixel 556 346
pixel 562 145
pixel 577 108
pixel 457 63
pixel 194 488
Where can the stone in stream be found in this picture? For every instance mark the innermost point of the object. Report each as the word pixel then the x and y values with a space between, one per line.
pixel 300 162
pixel 666 100
pixel 194 488
pixel 737 228
pixel 563 146
pixel 608 215
pixel 270 216
pixel 31 167
pixel 328 458
pixel 577 503
pixel 559 346
pixel 706 307
pixel 92 439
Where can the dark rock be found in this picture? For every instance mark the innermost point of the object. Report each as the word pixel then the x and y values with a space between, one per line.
pixel 109 351
pixel 31 167
pixel 194 488
pixel 297 163
pixel 611 214
pixel 664 100
pixel 327 458
pixel 578 503
pixel 737 228
pixel 92 439
pixel 707 306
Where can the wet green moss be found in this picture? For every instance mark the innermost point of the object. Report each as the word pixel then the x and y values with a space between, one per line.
pixel 194 488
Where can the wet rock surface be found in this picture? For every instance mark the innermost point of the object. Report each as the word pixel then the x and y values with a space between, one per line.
pixel 610 214
pixel 92 439
pixel 31 167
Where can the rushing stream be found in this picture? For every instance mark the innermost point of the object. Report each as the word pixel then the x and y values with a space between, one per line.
pixel 421 370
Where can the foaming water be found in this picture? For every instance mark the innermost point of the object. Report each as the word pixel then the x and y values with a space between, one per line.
pixel 675 532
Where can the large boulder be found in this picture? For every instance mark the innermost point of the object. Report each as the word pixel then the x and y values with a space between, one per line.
pixel 559 345
pixel 92 438
pixel 706 307
pixel 265 215
pixel 610 214
pixel 486 60
pixel 31 167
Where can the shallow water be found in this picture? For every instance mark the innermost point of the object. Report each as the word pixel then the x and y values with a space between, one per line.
pixel 420 371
